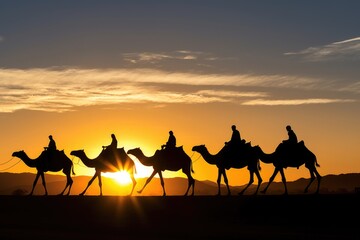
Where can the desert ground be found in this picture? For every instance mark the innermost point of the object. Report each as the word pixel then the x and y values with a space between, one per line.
pixel 321 216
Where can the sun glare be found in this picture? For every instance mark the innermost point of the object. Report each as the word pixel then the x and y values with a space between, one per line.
pixel 122 177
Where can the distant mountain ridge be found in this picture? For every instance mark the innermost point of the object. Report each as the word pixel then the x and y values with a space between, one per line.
pixel 21 183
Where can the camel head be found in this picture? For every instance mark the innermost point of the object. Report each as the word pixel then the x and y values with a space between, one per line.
pixel 199 148
pixel 134 151
pixel 77 153
pixel 19 154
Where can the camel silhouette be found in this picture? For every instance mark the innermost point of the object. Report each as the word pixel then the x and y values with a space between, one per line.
pixel 107 161
pixel 225 160
pixel 170 159
pixel 58 162
pixel 292 156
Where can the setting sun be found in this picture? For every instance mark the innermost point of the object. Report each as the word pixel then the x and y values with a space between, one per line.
pixel 122 177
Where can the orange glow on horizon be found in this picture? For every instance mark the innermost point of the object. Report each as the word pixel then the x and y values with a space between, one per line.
pixel 121 177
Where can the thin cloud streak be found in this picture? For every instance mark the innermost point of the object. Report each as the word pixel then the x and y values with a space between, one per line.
pixel 59 90
pixel 345 50
pixel 354 87
pixel 181 55
pixel 288 102
pixel 231 93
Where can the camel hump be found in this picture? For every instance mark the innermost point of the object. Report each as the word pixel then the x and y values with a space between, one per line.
pixel 170 152
pixel 180 148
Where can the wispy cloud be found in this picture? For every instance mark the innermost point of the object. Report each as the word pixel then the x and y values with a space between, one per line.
pixel 347 49
pixel 287 102
pixel 231 94
pixel 184 55
pixel 64 89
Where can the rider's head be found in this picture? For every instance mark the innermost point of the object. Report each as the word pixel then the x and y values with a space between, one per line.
pixel 233 127
pixel 50 137
pixel 113 135
pixel 171 132
pixel 288 127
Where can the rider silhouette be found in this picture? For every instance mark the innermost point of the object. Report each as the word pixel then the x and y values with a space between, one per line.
pixel 113 144
pixel 52 145
pixel 50 149
pixel 235 137
pixel 292 136
pixel 171 143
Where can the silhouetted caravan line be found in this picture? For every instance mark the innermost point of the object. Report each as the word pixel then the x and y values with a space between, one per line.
pixel 58 161
pixel 172 160
pixel 295 155
pixel 109 160
pixel 248 157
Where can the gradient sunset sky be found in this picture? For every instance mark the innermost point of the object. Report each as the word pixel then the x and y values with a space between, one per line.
pixel 81 70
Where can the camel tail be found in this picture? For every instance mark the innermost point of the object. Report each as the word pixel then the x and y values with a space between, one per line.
pixel 72 169
pixel 134 168
pixel 191 167
pixel 316 163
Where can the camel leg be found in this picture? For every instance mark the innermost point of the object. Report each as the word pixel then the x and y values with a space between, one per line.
pixel 100 183
pixel 270 180
pixel 259 181
pixel 34 183
pixel 312 178
pixel 69 182
pixel 226 181
pixel 162 182
pixel 250 182
pixel 89 183
pixel 318 177
pixel 133 183
pixel 283 180
pixel 147 181
pixel 218 182
pixel 191 182
pixel 44 183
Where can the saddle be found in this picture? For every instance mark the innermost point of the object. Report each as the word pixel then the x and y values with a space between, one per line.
pixel 291 151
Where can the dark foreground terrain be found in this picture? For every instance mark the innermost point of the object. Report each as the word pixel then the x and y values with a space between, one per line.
pixel 174 217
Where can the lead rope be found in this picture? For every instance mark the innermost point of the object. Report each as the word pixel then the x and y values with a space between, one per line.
pixel 193 161
pixel 78 163
pixel 10 166
pixel 7 161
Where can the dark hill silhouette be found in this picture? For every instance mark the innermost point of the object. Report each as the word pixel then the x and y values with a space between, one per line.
pixel 20 183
